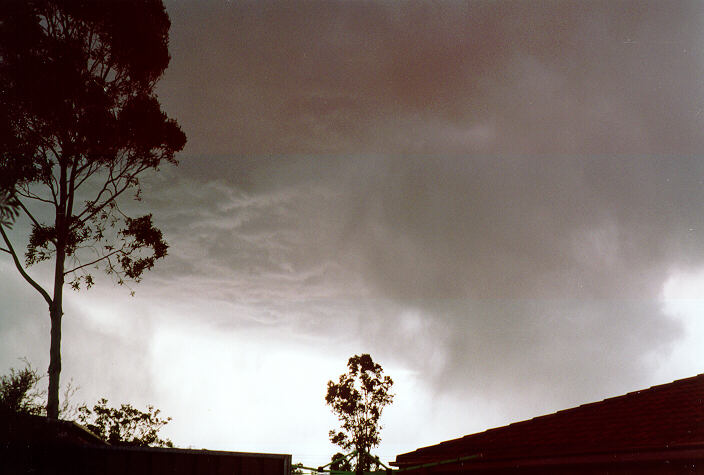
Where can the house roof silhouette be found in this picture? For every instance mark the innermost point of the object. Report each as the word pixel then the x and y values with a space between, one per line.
pixel 662 425
pixel 40 445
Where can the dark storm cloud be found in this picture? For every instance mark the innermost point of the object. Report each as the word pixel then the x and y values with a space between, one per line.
pixel 521 175
pixel 268 79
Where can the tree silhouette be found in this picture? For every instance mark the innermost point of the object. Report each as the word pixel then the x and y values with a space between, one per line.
pixel 124 425
pixel 79 123
pixel 358 399
pixel 19 393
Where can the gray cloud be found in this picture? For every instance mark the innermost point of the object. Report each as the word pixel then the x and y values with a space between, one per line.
pixel 99 354
pixel 518 276
pixel 522 176
pixel 529 277
pixel 23 325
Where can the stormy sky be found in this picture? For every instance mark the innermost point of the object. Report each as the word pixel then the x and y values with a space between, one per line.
pixel 502 202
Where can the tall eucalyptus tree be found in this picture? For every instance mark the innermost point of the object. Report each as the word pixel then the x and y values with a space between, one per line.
pixel 80 122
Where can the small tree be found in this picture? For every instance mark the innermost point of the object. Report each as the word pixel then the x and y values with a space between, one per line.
pixel 19 392
pixel 358 399
pixel 79 124
pixel 125 425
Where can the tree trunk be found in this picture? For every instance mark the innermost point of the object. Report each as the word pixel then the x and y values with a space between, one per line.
pixel 361 461
pixel 52 402
pixel 56 310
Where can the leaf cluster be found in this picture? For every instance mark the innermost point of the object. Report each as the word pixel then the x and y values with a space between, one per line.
pixel 358 399
pixel 125 425
pixel 8 208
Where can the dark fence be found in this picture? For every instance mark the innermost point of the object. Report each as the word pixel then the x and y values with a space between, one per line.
pixel 109 460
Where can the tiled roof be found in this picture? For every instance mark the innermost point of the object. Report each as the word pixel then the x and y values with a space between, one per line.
pixel 665 417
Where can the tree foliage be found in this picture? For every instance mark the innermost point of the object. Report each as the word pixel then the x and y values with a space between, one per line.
pixel 79 123
pixel 358 399
pixel 8 208
pixel 340 463
pixel 19 391
pixel 125 425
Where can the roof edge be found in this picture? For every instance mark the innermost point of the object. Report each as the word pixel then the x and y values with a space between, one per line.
pixel 477 461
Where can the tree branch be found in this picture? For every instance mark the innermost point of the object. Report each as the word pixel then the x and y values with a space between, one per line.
pixel 30 215
pixel 71 189
pixel 106 256
pixel 90 167
pixel 32 196
pixel 103 189
pixel 47 144
pixel 116 193
pixel 22 272
pixel 53 186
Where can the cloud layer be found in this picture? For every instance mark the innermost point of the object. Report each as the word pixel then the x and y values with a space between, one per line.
pixel 258 79
pixel 520 177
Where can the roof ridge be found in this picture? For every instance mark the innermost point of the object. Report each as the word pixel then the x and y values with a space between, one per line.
pixel 620 421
